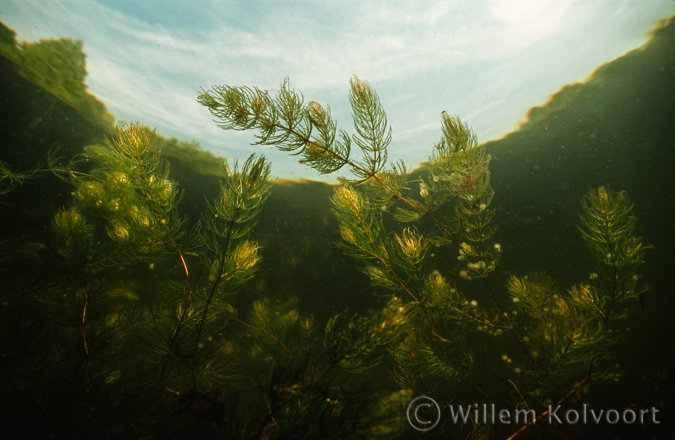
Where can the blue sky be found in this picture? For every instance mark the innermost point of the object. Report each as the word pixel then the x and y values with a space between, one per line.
pixel 487 61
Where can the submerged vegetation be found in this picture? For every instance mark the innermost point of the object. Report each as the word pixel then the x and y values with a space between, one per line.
pixel 561 339
pixel 136 328
pixel 136 319
pixel 58 66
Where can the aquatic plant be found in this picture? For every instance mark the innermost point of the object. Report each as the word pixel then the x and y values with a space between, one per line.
pixel 145 310
pixel 137 324
pixel 561 338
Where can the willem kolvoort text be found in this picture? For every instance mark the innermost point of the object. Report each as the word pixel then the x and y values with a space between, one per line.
pixel 555 414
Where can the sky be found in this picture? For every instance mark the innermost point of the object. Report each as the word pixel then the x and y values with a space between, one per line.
pixel 486 61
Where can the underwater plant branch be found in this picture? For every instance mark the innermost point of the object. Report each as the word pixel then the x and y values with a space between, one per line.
pixel 162 375
pixel 72 173
pixel 420 374
pixel 376 334
pixel 15 179
pixel 133 146
pixel 586 296
pixel 136 145
pixel 608 236
pixel 246 324
pixel 577 387
pixel 451 237
pixel 250 188
pixel 613 295
pixel 85 346
pixel 83 324
pixel 188 300
pixel 515 387
pixel 275 409
pixel 504 314
pixel 134 158
pixel 360 229
pixel 384 261
pixel 164 384
pixel 225 111
pixel 440 338
pixel 236 115
pixel 163 221
pixel 218 281
pixel 214 288
pixel 475 319
pixel 607 224
pixel 509 324
pixel 474 376
pixel 370 121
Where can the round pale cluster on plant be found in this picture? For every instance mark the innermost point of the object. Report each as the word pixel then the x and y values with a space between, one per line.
pixel 114 204
pixel 346 234
pixel 464 251
pixel 69 221
pixel 498 247
pixel 436 280
pixel 165 190
pixel 480 265
pixel 316 110
pixel 118 232
pixel 140 216
pixel 474 303
pixel 424 190
pixel 349 197
pixel 463 274
pixel 91 193
pixel 307 323
pixel 246 255
pixel 118 178
pixel 593 276
pixel 411 244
